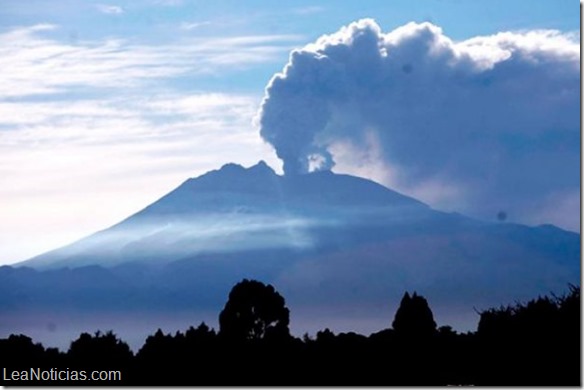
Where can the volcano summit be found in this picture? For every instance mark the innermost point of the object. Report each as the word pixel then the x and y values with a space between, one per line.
pixel 340 249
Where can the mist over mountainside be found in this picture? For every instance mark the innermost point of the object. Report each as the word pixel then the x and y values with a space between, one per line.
pixel 340 249
pixel 234 209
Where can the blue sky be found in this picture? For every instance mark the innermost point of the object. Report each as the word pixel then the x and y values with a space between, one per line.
pixel 106 106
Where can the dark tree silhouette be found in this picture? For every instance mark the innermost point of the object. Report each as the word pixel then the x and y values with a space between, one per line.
pixel 19 350
pixel 100 350
pixel 536 343
pixel 531 344
pixel 158 345
pixel 414 317
pixel 254 311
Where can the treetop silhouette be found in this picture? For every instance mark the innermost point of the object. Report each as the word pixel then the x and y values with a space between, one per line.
pixel 254 311
pixel 414 317
pixel 536 343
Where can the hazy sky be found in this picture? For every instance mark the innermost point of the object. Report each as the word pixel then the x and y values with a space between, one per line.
pixel 106 106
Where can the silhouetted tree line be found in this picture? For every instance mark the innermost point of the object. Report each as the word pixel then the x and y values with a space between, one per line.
pixel 533 343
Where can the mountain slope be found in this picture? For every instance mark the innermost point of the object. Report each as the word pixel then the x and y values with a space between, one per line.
pixel 234 209
pixel 340 249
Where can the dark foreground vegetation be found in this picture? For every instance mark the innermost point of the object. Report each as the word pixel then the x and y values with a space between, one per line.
pixel 528 344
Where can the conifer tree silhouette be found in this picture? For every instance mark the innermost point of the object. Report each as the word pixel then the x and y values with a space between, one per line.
pixel 414 317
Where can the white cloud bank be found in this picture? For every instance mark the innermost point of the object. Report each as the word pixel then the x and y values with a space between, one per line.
pixel 480 126
pixel 66 172
pixel 93 131
pixel 34 64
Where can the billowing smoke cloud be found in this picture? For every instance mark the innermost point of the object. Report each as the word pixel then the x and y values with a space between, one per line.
pixel 481 126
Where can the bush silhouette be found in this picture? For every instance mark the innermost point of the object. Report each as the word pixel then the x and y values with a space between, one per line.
pixel 100 350
pixel 20 351
pixel 533 343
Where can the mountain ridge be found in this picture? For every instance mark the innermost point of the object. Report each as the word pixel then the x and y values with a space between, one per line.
pixel 339 248
pixel 234 191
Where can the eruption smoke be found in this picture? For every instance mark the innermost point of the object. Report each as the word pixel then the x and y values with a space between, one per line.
pixel 480 126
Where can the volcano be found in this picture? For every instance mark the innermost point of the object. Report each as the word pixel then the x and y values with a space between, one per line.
pixel 340 249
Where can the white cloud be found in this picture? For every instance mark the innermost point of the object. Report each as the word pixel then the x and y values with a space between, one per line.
pixel 110 9
pixel 194 25
pixel 71 168
pixel 33 64
pixel 92 132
